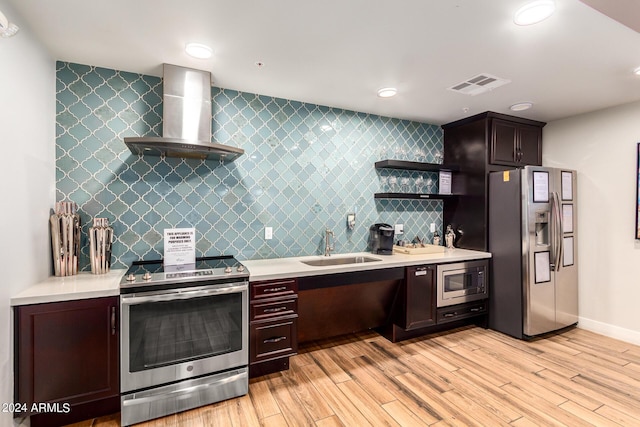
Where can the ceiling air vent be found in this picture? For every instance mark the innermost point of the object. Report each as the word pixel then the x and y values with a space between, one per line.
pixel 479 84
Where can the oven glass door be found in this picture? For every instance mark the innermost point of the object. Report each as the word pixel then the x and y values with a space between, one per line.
pixel 172 336
pixel 169 332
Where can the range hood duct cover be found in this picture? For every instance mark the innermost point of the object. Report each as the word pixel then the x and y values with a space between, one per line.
pixel 186 119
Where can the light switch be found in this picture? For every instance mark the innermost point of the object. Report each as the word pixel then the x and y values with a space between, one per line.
pixel 268 233
pixel 432 227
pixel 399 229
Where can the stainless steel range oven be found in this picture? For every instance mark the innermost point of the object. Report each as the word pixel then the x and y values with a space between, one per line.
pixel 184 336
pixel 462 282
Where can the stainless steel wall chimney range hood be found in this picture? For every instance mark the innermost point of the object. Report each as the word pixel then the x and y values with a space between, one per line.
pixel 186 119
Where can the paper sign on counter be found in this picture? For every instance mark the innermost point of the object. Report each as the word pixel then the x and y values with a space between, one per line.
pixel 179 246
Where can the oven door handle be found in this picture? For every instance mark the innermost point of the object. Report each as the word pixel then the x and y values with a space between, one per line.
pixel 132 300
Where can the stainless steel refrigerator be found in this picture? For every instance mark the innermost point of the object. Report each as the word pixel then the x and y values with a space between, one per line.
pixel 533 240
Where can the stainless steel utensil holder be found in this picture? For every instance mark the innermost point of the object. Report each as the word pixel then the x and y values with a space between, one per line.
pixel 65 238
pixel 100 240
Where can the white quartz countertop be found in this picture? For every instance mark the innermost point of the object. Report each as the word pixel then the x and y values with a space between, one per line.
pixel 83 285
pixel 86 285
pixel 283 268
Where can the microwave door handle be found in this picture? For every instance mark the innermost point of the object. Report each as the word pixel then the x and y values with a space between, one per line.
pixel 173 296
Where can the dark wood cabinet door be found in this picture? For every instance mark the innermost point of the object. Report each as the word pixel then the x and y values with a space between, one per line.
pixel 67 352
pixel 503 150
pixel 530 145
pixel 420 297
pixel 515 144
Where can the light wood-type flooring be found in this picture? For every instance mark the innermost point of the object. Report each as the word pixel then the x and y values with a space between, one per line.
pixel 466 377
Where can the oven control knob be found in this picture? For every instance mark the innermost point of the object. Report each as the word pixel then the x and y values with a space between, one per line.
pixel 131 278
pixel 240 268
pixel 228 270
pixel 146 276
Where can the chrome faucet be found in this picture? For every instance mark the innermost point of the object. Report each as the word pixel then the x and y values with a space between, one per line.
pixel 328 247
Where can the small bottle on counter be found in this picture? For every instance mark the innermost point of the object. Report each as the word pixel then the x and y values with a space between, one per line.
pixel 436 238
pixel 449 237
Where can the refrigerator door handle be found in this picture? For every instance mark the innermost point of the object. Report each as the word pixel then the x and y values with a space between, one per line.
pixel 557 232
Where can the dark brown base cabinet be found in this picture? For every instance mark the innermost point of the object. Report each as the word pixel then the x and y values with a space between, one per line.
pixel 416 312
pixel 419 298
pixel 273 332
pixel 67 360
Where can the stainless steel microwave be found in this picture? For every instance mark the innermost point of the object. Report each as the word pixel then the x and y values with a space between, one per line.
pixel 462 282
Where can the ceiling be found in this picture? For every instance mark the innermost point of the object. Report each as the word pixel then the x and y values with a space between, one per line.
pixel 339 53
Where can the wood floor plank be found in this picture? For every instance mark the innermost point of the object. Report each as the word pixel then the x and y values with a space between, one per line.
pixel 373 412
pixel 327 361
pixel 290 405
pixel 542 410
pixel 341 406
pixel 473 409
pixel 263 402
pixel 617 416
pixel 403 415
pixel 524 422
pixel 331 421
pixel 439 405
pixel 464 377
pixel 381 388
pixel 276 420
pixel 566 388
pixel 601 395
pixel 313 401
pixel 587 415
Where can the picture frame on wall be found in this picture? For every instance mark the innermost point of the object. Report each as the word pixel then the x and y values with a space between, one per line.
pixel 638 192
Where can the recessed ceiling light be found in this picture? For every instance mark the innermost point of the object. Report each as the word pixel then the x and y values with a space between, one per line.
pixel 637 71
pixel 521 106
pixel 387 92
pixel 198 50
pixel 534 12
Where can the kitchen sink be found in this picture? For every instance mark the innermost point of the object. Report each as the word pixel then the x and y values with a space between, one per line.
pixel 324 262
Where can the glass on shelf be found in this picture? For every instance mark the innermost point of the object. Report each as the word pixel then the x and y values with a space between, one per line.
pixel 438 157
pixel 384 183
pixel 399 153
pixel 393 184
pixel 419 184
pixel 419 155
pixel 429 184
pixel 405 186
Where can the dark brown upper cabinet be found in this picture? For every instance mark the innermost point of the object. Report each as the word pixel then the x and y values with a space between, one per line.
pixel 515 144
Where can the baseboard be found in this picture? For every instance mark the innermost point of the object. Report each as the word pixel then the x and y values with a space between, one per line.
pixel 611 331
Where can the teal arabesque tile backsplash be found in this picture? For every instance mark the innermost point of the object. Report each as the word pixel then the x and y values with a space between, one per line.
pixel 305 167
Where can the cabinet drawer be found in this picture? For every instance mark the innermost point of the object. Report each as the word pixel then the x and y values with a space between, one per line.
pixel 283 307
pixel 273 289
pixel 462 311
pixel 273 339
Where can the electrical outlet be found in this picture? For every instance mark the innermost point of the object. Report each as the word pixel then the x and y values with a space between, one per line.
pixel 399 229
pixel 432 227
pixel 268 233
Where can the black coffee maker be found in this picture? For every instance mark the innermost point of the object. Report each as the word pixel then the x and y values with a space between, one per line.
pixel 381 239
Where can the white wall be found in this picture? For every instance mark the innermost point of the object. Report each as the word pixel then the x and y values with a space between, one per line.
pixel 602 147
pixel 27 177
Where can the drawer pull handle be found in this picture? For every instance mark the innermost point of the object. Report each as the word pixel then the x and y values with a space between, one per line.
pixel 476 309
pixel 274 340
pixel 281 288
pixel 450 314
pixel 274 310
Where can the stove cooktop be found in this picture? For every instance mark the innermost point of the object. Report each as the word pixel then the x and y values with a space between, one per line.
pixel 211 269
